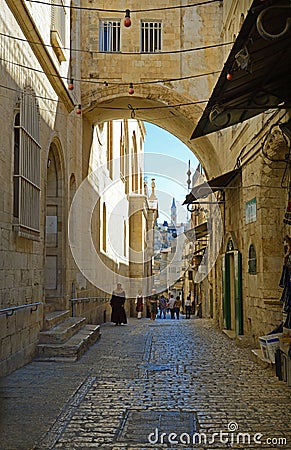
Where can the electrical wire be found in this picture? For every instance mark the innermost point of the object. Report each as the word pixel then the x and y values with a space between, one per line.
pixel 187 50
pixel 83 8
pixel 115 83
pixel 169 106
pixel 19 91
pixel 128 108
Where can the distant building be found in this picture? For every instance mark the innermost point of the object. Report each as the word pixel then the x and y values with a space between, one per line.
pixel 165 239
pixel 173 213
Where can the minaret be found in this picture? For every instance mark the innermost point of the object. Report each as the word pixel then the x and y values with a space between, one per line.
pixel 173 213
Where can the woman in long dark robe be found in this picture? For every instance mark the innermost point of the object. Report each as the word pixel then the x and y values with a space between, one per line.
pixel 285 283
pixel 118 315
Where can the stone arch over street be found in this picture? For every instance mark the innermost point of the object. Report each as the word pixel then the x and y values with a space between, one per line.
pixel 160 106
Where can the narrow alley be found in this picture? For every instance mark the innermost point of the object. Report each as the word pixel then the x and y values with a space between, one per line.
pixel 163 384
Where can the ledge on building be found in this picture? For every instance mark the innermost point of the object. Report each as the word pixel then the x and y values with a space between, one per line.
pixel 273 302
pixel 57 45
pixel 229 333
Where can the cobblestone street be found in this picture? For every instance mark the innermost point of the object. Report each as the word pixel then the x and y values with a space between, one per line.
pixel 141 382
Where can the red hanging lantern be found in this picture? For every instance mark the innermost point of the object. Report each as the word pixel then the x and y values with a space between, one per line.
pixel 71 85
pixel 127 21
pixel 130 89
pixel 229 76
pixel 79 110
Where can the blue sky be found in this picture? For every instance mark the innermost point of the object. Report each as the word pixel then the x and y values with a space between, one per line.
pixel 166 160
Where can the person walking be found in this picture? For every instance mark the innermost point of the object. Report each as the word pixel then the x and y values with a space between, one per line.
pixel 177 306
pixel 153 304
pixel 139 302
pixel 171 306
pixel 188 307
pixel 162 306
pixel 118 314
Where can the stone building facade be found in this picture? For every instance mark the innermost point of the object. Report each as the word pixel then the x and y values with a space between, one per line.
pixel 161 69
pixel 49 149
pixel 242 291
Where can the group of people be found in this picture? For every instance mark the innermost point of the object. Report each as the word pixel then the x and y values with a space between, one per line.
pixel 159 306
pixel 156 306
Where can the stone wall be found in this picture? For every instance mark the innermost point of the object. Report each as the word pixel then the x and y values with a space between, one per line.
pixel 19 337
pixel 22 260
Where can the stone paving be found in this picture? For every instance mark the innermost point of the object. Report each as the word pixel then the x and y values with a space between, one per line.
pixel 149 384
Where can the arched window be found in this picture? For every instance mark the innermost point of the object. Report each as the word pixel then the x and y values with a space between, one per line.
pixel 124 238
pixel 104 228
pixel 230 246
pixel 252 260
pixel 134 164
pixel 110 133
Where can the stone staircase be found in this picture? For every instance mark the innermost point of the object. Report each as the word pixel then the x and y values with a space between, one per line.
pixel 64 337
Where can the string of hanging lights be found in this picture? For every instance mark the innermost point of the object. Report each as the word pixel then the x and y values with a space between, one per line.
pixel 92 52
pixel 78 110
pixel 107 83
pixel 127 21
pixel 127 24
pixel 78 107
pixel 84 8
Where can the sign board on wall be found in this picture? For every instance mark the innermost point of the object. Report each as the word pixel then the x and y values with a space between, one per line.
pixel 251 210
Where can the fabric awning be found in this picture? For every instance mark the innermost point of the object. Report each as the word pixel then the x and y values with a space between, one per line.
pixel 202 249
pixel 198 232
pixel 208 187
pixel 260 67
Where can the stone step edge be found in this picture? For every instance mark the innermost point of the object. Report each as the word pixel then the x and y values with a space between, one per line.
pixel 62 332
pixel 73 348
pixel 54 318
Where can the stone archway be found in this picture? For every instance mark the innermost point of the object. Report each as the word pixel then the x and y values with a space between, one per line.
pixel 154 107
pixel 172 81
pixel 55 276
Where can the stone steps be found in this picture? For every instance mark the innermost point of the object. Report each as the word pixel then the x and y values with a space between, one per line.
pixel 71 349
pixel 54 318
pixel 63 331
pixel 64 337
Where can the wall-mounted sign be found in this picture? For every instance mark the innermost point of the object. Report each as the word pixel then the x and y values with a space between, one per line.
pixel 251 210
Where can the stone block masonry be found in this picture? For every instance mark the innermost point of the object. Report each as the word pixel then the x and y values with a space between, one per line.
pixel 181 377
pixel 19 332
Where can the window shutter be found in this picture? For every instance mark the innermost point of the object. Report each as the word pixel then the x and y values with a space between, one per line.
pixel 27 170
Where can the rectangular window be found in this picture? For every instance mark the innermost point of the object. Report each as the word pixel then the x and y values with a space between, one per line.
pixel 58 19
pixel 27 168
pixel 110 148
pixel 109 36
pixel 58 28
pixel 151 37
pixel 251 210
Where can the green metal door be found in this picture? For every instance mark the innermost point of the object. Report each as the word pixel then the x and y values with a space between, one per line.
pixel 238 292
pixel 226 309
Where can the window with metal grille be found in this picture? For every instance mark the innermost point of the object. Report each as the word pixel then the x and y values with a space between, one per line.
pixel 252 260
pixel 109 36
pixel 151 37
pixel 26 177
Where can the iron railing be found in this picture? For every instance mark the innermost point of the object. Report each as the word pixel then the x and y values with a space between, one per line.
pixel 10 311
pixel 74 301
